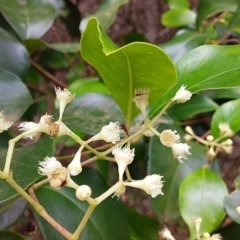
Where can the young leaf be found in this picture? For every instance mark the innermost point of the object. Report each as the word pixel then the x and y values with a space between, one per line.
pixel 205 67
pixel 137 65
pixel 108 221
pixel 201 195
pixel 229 113
pixel 33 17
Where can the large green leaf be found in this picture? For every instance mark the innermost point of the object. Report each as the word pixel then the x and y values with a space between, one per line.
pixel 227 113
pixel 184 41
pixel 178 17
pixel 14 96
pixel 105 14
pixel 201 194
pixel 24 166
pixel 230 93
pixel 29 19
pixel 205 67
pixel 208 8
pixel 14 56
pixel 137 65
pixel 231 202
pixel 196 105
pixel 161 161
pixel 7 235
pixel 108 221
pixel 90 112
pixel 141 227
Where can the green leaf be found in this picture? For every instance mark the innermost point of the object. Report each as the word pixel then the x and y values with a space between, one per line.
pixel 201 195
pixel 231 202
pixel 105 14
pixel 108 221
pixel 87 85
pixel 24 166
pixel 14 56
pixel 33 17
pixel 205 67
pixel 178 17
pixel 237 182
pixel 141 227
pixel 196 105
pixel 235 20
pixel 161 161
pixel 137 65
pixel 91 112
pixel 222 93
pixel 184 41
pixel 178 4
pixel 227 113
pixel 208 8
pixel 14 96
pixel 7 235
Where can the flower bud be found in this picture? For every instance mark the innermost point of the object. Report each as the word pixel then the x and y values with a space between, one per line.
pixel 75 166
pixel 83 192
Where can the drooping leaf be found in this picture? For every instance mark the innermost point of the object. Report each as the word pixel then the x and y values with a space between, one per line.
pixel 184 41
pixel 141 227
pixel 105 14
pixel 196 105
pixel 14 96
pixel 208 8
pixel 228 112
pixel 24 166
pixel 91 112
pixel 161 161
pixel 205 67
pixel 7 235
pixel 231 202
pixel 201 195
pixel 137 65
pixel 178 4
pixel 33 17
pixel 107 222
pixel 14 56
pixel 178 17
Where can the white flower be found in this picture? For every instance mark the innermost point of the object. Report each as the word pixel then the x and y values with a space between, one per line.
pixel 207 236
pixel 75 166
pixel 180 151
pixel 150 184
pixel 182 95
pixel 166 234
pixel 26 126
pixel 64 97
pixel 57 175
pixel 83 192
pixel 169 137
pixel 141 99
pixel 119 192
pixel 225 129
pixel 123 157
pixel 4 124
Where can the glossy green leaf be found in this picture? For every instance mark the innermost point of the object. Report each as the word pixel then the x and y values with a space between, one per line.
pixel 87 85
pixel 137 65
pixel 14 56
pixel 24 166
pixel 12 213
pixel 231 202
pixel 14 96
pixel 108 221
pixel 229 113
pixel 105 14
pixel 230 93
pixel 205 67
pixel 91 112
pixel 161 161
pixel 178 4
pixel 141 227
pixel 184 41
pixel 29 19
pixel 7 235
pixel 196 105
pixel 178 17
pixel 201 194
pixel 208 8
